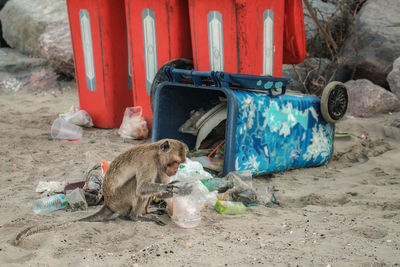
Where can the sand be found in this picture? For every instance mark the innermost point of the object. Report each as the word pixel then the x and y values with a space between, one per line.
pixel 344 214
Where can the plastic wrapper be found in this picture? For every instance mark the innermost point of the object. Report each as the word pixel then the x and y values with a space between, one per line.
pixel 133 125
pixel 50 187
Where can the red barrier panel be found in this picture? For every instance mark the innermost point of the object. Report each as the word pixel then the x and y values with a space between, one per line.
pixel 237 36
pixel 158 32
pixel 98 32
pixel 294 40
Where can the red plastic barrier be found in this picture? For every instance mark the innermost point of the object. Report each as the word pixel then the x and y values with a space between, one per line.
pixel 158 31
pixel 237 36
pixel 294 40
pixel 98 31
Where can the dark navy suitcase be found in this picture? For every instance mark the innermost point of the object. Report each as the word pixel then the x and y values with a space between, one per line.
pixel 267 130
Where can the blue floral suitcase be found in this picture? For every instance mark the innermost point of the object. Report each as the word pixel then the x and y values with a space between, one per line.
pixel 267 130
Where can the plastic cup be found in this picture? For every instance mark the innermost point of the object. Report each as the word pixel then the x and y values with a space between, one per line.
pixel 65 130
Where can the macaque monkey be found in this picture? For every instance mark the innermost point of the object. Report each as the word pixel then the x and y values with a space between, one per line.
pixel 132 179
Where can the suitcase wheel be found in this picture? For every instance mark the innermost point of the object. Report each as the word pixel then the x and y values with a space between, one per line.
pixel 334 101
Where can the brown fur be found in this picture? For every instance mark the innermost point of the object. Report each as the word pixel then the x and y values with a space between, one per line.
pixel 132 179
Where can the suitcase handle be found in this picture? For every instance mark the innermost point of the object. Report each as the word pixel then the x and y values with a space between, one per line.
pixel 266 84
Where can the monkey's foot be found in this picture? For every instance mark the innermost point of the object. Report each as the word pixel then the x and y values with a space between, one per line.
pixel 146 218
pixel 160 211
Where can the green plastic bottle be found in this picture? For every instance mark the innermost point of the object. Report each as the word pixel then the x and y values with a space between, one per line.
pixel 219 184
pixel 229 207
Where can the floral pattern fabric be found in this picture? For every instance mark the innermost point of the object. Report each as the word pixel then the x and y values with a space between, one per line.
pixel 280 133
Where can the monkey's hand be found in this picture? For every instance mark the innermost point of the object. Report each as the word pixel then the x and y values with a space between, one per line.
pixel 184 189
pixel 170 189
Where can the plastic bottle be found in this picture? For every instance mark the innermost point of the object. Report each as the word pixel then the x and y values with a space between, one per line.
pixel 229 207
pixel 213 184
pixel 50 204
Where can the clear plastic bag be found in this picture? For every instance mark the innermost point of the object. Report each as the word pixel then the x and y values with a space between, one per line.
pixel 78 117
pixel 133 125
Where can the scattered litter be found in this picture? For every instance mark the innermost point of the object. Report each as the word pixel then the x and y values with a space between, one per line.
pixel 186 208
pixel 49 204
pixel 230 207
pixel 133 125
pixel 73 186
pixel 209 163
pixel 77 117
pixel 14 167
pixel 241 191
pixel 62 129
pixel 188 245
pixel 191 170
pixel 93 183
pixel 50 187
pixel 76 199
pixel 209 127
pixel 217 184
pixel 362 137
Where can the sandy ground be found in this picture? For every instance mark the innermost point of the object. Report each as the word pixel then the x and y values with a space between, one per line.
pixel 344 214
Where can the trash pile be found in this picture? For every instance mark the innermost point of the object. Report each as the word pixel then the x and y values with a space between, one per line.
pixel 201 171
pixel 209 129
pixel 228 195
pixel 78 196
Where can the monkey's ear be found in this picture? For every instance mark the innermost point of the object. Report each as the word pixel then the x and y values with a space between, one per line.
pixel 165 147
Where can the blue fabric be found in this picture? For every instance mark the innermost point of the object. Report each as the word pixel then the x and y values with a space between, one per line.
pixel 280 133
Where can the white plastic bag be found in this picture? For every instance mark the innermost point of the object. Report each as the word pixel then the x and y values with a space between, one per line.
pixel 133 125
pixel 78 117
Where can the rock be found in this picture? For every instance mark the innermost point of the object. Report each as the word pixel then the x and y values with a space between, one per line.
pixel 393 78
pixel 396 122
pixel 23 22
pixel 374 43
pixel 324 11
pixel 3 42
pixel 367 99
pixel 56 46
pixel 308 71
pixel 43 79
pixel 14 62
pixel 22 72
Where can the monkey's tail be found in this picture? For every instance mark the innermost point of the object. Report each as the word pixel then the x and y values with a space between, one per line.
pixel 102 215
pixel 36 229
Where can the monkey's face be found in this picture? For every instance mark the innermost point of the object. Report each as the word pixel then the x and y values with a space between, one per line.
pixel 172 167
pixel 172 153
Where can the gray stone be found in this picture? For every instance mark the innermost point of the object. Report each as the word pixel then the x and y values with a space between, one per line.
pixel 374 42
pixel 14 62
pixel 396 122
pixel 23 21
pixel 18 72
pixel 394 78
pixel 56 46
pixel 334 16
pixel 324 10
pixel 368 99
